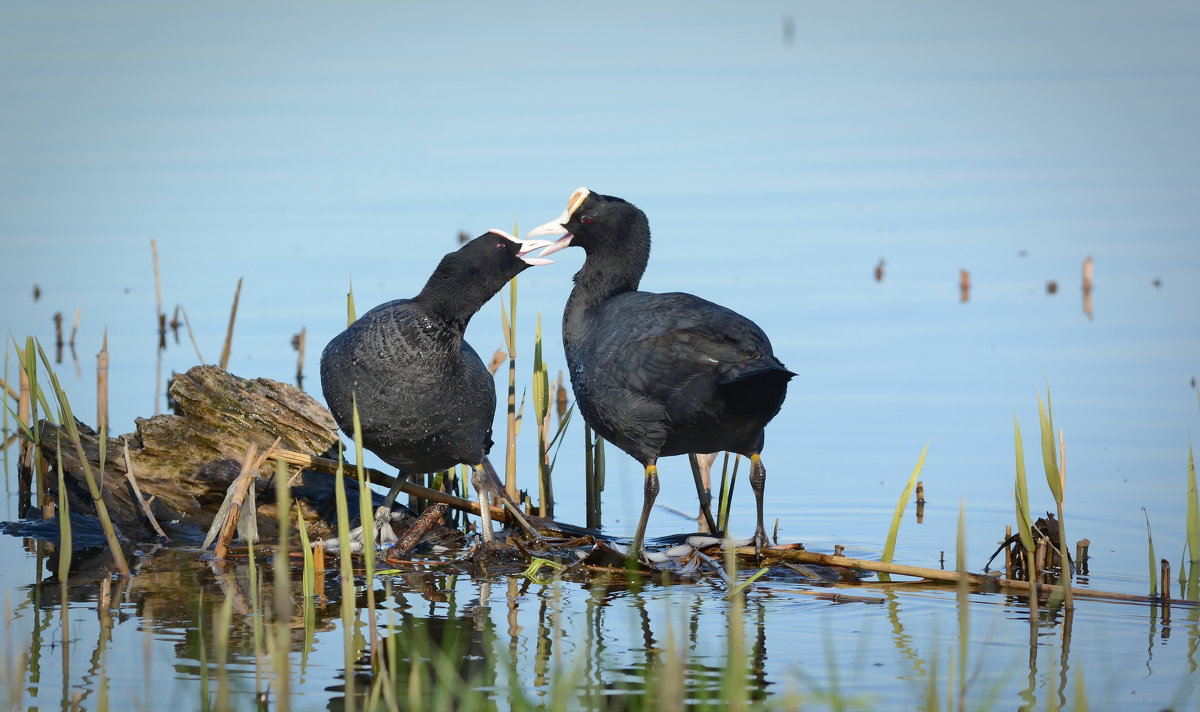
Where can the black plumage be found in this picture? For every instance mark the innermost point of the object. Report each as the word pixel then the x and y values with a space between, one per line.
pixel 659 374
pixel 425 400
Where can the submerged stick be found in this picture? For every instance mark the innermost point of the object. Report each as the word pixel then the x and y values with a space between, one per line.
pixel 941 575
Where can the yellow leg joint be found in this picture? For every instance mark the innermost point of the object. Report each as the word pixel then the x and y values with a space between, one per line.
pixel 755 459
pixel 651 470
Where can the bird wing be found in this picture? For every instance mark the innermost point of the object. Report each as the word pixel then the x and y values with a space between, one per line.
pixel 675 349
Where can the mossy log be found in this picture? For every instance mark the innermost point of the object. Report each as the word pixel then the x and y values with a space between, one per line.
pixel 184 461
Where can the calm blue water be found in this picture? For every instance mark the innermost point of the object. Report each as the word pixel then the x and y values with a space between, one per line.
pixel 305 147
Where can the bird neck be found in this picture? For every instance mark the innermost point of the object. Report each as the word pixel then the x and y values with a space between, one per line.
pixel 611 269
pixel 455 301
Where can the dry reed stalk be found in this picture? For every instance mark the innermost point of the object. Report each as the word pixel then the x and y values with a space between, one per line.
pixel 162 316
pixel 964 286
pixel 229 331
pixel 8 389
pixel 318 550
pixel 560 397
pixel 102 385
pixel 237 497
pixel 58 337
pixel 298 342
pixel 74 328
pixel 1081 555
pixel 138 492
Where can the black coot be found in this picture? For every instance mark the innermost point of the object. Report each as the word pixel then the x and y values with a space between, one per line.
pixel 425 400
pixel 659 374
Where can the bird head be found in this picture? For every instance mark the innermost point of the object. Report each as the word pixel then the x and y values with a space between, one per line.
pixel 593 221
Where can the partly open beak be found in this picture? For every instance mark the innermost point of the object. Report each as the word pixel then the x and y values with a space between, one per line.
pixel 527 246
pixel 557 226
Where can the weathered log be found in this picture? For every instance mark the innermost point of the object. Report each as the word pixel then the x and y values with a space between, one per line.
pixel 184 461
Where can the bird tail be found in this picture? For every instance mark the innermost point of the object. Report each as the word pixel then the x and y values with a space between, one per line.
pixel 759 391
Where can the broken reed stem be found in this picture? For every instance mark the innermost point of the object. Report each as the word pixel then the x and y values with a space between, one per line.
pixel 1165 582
pixel 243 483
pixel 102 385
pixel 138 492
pixel 191 334
pixel 1008 552
pixel 74 328
pixel 237 293
pixel 8 389
pixel 58 337
pixel 298 342
pixel 409 540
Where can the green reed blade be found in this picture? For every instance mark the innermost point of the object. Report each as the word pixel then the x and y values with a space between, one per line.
pixel 1153 558
pixel 350 312
pixel 346 569
pixel 1193 511
pixel 1049 453
pixel 68 419
pixel 64 517
pixel 889 548
pixel 1024 522
pixel 962 595
pixel 366 518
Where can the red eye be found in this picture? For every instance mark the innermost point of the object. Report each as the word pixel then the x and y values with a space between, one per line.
pixel 499 245
pixel 585 220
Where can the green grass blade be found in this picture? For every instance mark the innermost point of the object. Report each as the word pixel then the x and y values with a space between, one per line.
pixel 350 312
pixel 889 548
